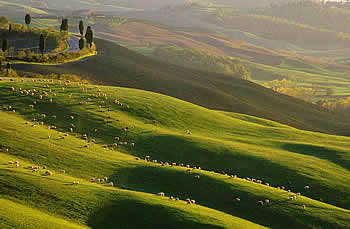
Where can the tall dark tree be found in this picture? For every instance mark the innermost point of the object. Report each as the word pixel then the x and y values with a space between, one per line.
pixel 42 44
pixel 10 28
pixel 64 25
pixel 5 45
pixel 81 43
pixel 0 66
pixel 88 29
pixel 89 36
pixel 8 68
pixel 81 28
pixel 28 19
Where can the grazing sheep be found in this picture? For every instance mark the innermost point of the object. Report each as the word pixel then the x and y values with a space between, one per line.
pixel 298 193
pixel 171 198
pixel 92 179
pixel 63 171
pixel 193 202
pixel 303 206
pixel 238 199
pixel 132 144
pixel 137 159
pixel 173 164
pixel 260 202
pixel 267 184
pixel 48 173
pixel 161 194
pixel 188 132
pixel 293 197
pixel 17 165
pixel 10 162
pixel 111 184
pixel 98 180
pixel 197 177
pixel 267 201
pixel 177 199
pixel 307 187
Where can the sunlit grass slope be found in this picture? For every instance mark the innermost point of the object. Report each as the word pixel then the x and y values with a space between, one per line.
pixel 116 65
pixel 229 142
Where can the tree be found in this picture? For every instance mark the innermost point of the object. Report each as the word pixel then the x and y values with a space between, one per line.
pixel 89 36
pixel 28 19
pixel 4 20
pixel 5 45
pixel 10 28
pixel 81 28
pixel 88 29
pixel 0 66
pixel 81 43
pixel 64 25
pixel 42 44
pixel 8 68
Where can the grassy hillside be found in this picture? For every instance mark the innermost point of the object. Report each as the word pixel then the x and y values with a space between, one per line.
pixel 234 143
pixel 119 66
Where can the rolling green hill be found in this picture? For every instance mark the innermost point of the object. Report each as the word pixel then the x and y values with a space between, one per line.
pixel 220 141
pixel 119 66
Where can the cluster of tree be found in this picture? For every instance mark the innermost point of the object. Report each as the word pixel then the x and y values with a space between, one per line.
pixel 202 60
pixel 289 87
pixel 341 105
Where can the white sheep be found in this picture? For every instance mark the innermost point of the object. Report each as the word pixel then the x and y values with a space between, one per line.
pixel 161 194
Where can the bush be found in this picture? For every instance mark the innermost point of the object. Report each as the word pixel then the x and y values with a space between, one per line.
pixel 3 20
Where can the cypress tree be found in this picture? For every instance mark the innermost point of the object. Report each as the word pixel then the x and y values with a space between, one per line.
pixel 42 44
pixel 28 19
pixel 5 45
pixel 81 28
pixel 81 43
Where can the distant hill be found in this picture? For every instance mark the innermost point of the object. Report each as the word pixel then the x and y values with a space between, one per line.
pixel 119 66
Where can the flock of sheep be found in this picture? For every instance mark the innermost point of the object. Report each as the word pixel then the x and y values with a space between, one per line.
pixel 41 94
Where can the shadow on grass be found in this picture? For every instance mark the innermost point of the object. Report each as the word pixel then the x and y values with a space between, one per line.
pixel 321 152
pixel 217 194
pixel 131 213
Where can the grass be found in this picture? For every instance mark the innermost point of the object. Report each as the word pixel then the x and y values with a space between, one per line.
pixel 14 215
pixel 119 66
pixel 221 141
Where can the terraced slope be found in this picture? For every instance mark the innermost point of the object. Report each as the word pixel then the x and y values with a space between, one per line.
pixel 230 142
pixel 119 66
